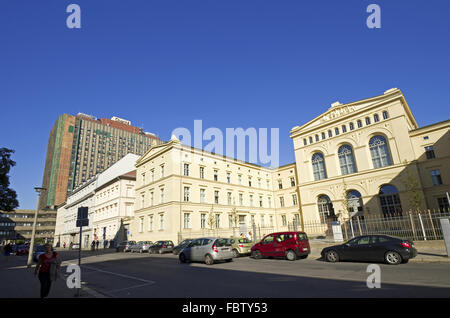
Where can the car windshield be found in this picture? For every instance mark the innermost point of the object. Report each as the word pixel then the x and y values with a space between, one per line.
pixel 301 236
pixel 223 242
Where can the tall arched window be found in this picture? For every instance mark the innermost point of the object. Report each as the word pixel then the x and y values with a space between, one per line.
pixel 325 207
pixel 390 201
pixel 346 159
pixel 318 164
pixel 379 151
pixel 354 203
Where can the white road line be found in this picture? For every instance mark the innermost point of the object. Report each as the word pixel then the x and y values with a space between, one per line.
pixel 127 288
pixel 120 275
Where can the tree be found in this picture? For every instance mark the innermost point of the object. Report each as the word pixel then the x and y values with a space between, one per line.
pixel 413 192
pixel 8 197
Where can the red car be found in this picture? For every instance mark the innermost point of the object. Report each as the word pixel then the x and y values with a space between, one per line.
pixel 289 245
pixel 23 250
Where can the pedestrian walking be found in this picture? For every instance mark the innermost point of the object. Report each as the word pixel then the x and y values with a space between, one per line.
pixel 93 246
pixel 64 245
pixel 7 250
pixel 48 269
pixel 97 243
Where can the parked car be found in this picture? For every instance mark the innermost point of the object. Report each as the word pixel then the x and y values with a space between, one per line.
pixel 141 246
pixel 372 248
pixel 289 245
pixel 75 246
pixel 241 246
pixel 125 246
pixel 22 250
pixel 38 251
pixel 161 247
pixel 177 249
pixel 208 250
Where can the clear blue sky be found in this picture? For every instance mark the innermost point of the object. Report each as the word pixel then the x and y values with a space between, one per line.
pixel 231 63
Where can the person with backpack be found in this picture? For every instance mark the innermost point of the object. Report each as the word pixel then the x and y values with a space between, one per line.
pixel 7 250
pixel 48 268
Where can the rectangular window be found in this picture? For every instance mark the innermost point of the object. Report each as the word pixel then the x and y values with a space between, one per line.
pixel 228 177
pixel 161 222
pixel 216 197
pixel 268 184
pixel 251 200
pixel 283 220
pixel 216 175
pixel 142 200
pixel 294 199
pixel 292 182
pixel 262 221
pixel 217 221
pixel 187 220
pixel 241 199
pixel 429 151
pixel 260 201
pixel 444 205
pixel 186 169
pixel 436 177
pixel 151 198
pixel 229 198
pixel 282 202
pixel 269 201
pixel 202 173
pixel 271 220
pixel 304 142
pixel 186 194
pixel 280 184
pixel 150 222
pixel 162 196
pixel 203 221
pixel 249 181
pixel 162 171
pixel 202 195
pixel 240 179
pixel 141 224
pixel 143 178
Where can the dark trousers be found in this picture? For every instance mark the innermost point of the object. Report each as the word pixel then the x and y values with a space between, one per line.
pixel 46 283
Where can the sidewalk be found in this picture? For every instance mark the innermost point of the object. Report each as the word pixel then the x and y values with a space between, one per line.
pixel 428 251
pixel 18 281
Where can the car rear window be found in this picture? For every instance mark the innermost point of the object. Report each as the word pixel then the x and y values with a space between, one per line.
pixel 244 241
pixel 301 236
pixel 223 242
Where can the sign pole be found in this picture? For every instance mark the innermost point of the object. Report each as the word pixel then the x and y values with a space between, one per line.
pixel 79 255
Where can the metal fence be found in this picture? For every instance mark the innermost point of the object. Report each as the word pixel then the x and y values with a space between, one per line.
pixel 420 225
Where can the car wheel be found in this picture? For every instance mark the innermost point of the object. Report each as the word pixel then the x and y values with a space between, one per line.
pixel 290 255
pixel 235 253
pixel 182 258
pixel 332 256
pixel 209 260
pixel 393 258
pixel 256 254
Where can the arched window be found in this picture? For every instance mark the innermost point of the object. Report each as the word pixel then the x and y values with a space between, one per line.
pixel 323 135
pixel 390 201
pixel 330 134
pixel 385 115
pixel 318 164
pixel 317 137
pixel 379 152
pixel 359 123
pixel 354 203
pixel 351 126
pixel 346 159
pixel 325 207
pixel 376 118
pixel 367 120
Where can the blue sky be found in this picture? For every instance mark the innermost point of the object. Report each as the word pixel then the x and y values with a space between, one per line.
pixel 231 63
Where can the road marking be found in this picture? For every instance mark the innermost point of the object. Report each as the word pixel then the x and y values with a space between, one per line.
pixel 120 275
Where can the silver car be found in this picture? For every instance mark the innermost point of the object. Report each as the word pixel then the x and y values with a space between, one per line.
pixel 141 247
pixel 208 250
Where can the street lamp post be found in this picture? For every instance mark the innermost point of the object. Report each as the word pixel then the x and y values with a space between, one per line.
pixel 30 251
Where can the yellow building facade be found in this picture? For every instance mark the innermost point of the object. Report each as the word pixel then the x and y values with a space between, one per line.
pixel 370 157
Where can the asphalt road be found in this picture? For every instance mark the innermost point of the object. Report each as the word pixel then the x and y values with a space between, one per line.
pixel 144 275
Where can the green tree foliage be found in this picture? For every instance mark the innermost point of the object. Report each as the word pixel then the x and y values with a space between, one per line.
pixel 8 197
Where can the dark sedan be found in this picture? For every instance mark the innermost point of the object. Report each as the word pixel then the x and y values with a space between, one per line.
pixel 372 248
pixel 177 249
pixel 161 247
